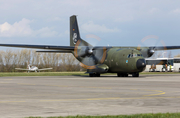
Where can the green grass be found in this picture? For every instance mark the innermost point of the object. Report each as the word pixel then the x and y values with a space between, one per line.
pixel 3 74
pixel 42 74
pixel 147 73
pixel 150 115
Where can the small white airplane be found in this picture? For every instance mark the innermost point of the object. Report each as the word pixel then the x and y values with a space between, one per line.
pixel 33 68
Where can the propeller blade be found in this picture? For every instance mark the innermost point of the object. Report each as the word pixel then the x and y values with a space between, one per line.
pixel 96 60
pixel 89 61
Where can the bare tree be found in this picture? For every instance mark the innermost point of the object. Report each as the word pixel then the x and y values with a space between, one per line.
pixel 10 59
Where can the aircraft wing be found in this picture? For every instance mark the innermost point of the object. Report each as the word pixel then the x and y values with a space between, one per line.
pixel 49 47
pixel 164 48
pixel 23 69
pixel 45 69
pixel 156 48
pixel 68 49
pixel 55 51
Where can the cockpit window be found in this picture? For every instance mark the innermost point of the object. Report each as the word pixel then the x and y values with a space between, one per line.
pixel 134 55
pixel 140 55
pixel 130 55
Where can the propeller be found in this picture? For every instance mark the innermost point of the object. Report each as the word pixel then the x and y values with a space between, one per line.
pixel 85 51
pixel 88 55
pixel 151 51
pixel 153 41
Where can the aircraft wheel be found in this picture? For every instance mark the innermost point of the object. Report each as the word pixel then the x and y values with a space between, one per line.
pixel 122 75
pixel 97 75
pixel 125 75
pixel 135 74
pixel 118 74
pixel 91 74
pixel 94 75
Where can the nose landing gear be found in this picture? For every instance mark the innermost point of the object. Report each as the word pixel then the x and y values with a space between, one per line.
pixel 126 75
pixel 135 74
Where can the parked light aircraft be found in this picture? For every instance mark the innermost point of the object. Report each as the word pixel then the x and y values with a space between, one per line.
pixel 33 68
pixel 101 59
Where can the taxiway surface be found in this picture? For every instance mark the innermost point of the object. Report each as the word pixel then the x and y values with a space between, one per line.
pixel 81 95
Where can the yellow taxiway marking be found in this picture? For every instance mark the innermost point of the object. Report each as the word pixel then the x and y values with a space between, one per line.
pixel 115 98
pixel 91 99
pixel 159 93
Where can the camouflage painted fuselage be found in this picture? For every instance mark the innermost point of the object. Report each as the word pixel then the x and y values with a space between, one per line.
pixel 118 61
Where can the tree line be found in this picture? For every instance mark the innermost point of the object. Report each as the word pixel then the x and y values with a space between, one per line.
pixel 16 58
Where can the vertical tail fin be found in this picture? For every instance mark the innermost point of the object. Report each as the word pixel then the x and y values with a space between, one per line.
pixel 29 67
pixel 74 32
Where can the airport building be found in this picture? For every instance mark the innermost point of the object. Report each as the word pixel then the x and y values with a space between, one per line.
pixel 163 65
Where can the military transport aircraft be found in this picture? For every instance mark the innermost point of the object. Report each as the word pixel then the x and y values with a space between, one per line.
pixel 101 59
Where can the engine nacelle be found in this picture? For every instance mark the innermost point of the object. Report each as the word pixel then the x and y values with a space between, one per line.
pixel 84 51
pixel 147 52
pixel 100 68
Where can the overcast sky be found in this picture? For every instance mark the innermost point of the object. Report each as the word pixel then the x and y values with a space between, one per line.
pixel 111 22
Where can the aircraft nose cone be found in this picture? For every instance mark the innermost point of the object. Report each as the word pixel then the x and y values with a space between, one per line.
pixel 141 64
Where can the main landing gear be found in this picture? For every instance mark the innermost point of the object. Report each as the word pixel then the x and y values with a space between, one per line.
pixel 118 74
pixel 122 74
pixel 94 74
pixel 135 74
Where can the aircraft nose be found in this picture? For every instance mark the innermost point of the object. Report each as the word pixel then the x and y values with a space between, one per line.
pixel 141 64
